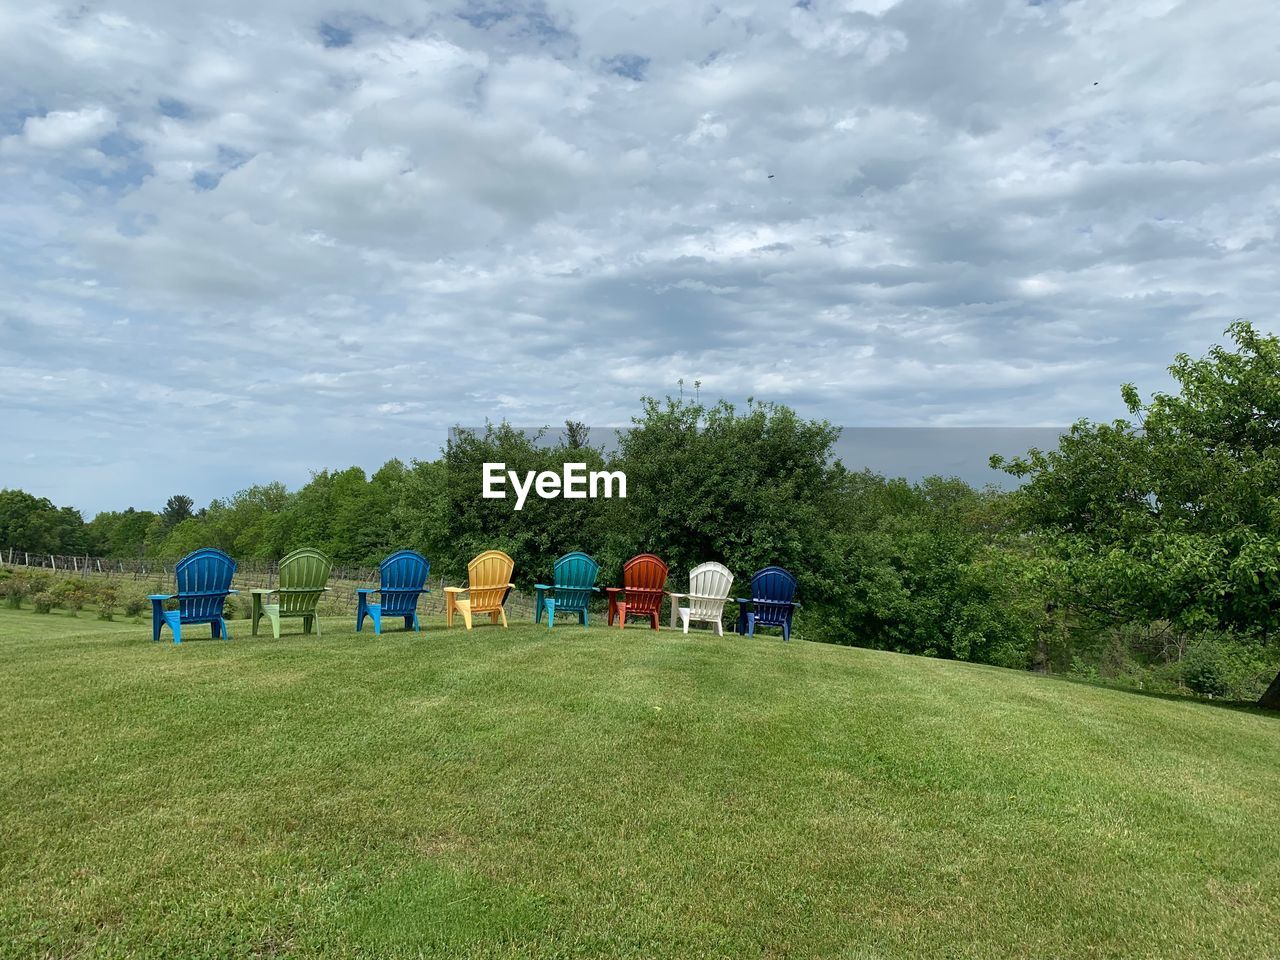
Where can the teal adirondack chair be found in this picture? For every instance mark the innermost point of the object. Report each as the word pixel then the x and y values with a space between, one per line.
pixel 304 575
pixel 574 582
pixel 204 582
pixel 403 577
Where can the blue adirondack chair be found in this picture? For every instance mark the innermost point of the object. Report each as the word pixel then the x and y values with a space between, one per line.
pixel 574 582
pixel 403 577
pixel 771 604
pixel 204 581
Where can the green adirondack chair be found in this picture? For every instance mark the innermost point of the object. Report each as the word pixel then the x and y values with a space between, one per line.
pixel 303 575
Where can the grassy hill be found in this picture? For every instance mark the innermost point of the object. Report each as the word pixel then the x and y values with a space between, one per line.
pixel 602 793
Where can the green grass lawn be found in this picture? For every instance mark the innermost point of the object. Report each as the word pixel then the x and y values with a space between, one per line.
pixel 601 793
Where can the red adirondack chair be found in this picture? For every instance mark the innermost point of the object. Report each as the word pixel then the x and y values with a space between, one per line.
pixel 643 579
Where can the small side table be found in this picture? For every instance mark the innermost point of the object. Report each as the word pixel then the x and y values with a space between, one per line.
pixel 617 604
pixel 675 607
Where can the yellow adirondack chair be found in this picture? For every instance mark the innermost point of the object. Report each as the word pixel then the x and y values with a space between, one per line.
pixel 488 582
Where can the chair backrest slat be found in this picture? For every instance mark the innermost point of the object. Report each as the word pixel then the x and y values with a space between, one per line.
pixel 402 576
pixel 773 591
pixel 487 577
pixel 709 584
pixel 643 578
pixel 203 579
pixel 575 575
pixel 304 574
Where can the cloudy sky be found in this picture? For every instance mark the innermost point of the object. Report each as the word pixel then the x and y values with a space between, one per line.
pixel 237 246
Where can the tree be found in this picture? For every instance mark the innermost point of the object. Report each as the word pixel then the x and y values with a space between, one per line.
pixel 176 509
pixel 1175 515
pixel 33 523
pixel 577 434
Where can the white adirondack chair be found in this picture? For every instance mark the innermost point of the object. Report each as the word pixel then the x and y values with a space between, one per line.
pixel 709 585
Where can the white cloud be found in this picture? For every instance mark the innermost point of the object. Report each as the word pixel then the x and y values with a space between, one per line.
pixel 981 212
pixel 61 129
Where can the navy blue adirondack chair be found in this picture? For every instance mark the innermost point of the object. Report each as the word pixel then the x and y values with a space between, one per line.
pixel 204 581
pixel 573 583
pixel 403 578
pixel 771 604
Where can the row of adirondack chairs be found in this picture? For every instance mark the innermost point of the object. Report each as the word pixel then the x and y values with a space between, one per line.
pixel 204 583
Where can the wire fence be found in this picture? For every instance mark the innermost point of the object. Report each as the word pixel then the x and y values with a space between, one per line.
pixel 157 577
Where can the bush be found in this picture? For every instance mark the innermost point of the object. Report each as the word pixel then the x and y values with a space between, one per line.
pixel 44 601
pixel 107 598
pixel 13 589
pixel 236 608
pixel 134 601
pixel 71 595
pixel 1228 667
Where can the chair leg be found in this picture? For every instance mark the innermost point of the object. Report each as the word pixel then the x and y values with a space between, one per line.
pixel 549 604
pixel 157 619
pixel 684 617
pixel 362 611
pixel 622 614
pixel 786 630
pixel 503 613
pixel 226 628
pixel 464 608
pixel 411 622
pixel 417 624
pixel 493 617
pixel 375 611
pixel 719 629
pixel 582 616
pixel 653 621
pixel 275 625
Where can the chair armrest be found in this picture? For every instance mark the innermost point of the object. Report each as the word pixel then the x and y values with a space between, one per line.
pixel 743 600
pixel 455 589
pixel 702 596
pixel 596 589
pixel 542 586
pixel 367 589
pixel 160 596
pixel 614 589
pixel 236 592
pixel 265 590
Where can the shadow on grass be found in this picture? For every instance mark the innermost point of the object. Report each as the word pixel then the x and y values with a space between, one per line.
pixel 1239 706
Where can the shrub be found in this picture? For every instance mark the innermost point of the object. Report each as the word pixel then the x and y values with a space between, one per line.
pixel 71 595
pixel 13 589
pixel 107 598
pixel 1227 667
pixel 43 601
pixel 236 608
pixel 134 601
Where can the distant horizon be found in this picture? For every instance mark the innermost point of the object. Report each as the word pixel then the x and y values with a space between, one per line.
pixel 905 453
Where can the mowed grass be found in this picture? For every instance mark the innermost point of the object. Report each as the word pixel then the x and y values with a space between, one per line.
pixel 525 793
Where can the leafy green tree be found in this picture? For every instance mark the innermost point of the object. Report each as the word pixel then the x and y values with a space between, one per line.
pixel 34 524
pixel 748 488
pixel 1175 515
pixel 120 533
pixel 176 509
pixel 536 534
